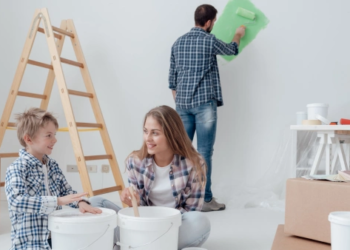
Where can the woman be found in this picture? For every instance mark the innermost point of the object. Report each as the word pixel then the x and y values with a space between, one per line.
pixel 167 171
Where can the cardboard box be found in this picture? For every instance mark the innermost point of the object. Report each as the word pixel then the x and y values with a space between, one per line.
pixel 308 204
pixel 285 241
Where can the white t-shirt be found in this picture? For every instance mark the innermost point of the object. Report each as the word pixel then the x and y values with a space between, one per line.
pixel 161 193
pixel 46 181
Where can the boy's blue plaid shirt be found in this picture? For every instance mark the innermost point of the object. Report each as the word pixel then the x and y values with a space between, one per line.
pixel 30 203
pixel 194 72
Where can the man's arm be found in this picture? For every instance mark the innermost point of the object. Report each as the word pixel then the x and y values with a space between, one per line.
pixel 174 94
pixel 172 74
pixel 222 48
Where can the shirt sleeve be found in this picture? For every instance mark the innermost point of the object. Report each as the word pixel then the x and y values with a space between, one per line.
pixel 65 188
pixel 172 72
pixel 18 198
pixel 132 179
pixel 222 48
pixel 195 191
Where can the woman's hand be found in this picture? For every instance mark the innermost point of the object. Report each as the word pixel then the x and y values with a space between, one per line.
pixel 126 197
pixel 70 198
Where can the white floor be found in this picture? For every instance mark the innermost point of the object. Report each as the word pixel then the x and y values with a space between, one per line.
pixel 232 229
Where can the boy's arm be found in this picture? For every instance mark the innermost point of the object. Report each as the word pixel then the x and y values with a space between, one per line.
pixel 65 188
pixel 19 200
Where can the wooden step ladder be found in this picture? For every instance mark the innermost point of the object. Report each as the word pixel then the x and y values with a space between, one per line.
pixel 55 38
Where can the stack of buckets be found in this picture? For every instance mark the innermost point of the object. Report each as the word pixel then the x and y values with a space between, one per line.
pixel 156 229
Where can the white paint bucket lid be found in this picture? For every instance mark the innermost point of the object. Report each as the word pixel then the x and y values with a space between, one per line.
pixel 73 216
pixel 317 105
pixel 342 218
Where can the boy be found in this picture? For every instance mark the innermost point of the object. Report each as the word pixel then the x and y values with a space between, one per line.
pixel 35 185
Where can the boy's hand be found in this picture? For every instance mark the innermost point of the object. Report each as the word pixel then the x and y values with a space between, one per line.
pixel 70 198
pixel 126 197
pixel 86 208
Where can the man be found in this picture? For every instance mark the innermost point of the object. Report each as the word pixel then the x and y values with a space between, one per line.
pixel 195 84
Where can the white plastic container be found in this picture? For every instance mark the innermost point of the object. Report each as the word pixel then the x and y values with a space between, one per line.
pixel 340 230
pixel 194 248
pixel 73 230
pixel 301 116
pixel 315 109
pixel 157 228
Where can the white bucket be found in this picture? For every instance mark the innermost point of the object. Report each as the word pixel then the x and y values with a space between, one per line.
pixel 194 248
pixel 315 109
pixel 340 230
pixel 301 116
pixel 157 228
pixel 73 230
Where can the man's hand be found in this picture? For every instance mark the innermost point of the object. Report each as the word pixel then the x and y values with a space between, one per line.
pixel 174 94
pixel 70 198
pixel 240 32
pixel 126 197
pixel 86 208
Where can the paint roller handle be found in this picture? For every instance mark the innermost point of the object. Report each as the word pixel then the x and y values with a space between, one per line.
pixel 240 32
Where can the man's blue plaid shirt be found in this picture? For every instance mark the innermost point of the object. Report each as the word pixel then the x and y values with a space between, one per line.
pixel 194 72
pixel 30 203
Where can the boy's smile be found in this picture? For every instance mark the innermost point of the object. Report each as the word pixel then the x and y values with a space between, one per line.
pixel 43 141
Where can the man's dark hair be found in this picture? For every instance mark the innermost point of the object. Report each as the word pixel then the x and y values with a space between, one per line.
pixel 204 13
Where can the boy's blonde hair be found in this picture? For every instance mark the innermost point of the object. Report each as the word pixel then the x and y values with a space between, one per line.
pixel 29 122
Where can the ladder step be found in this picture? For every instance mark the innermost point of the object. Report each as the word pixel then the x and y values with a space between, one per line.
pixel 9 155
pixel 97 157
pixel 78 64
pixel 79 93
pixel 107 190
pixel 63 32
pixel 32 95
pixel 2 184
pixel 55 35
pixel 89 125
pixel 11 124
pixel 40 64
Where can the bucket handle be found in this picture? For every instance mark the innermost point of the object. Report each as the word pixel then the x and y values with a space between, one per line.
pixel 130 247
pixel 96 239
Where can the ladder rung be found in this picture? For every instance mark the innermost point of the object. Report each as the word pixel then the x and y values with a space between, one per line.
pixel 78 64
pixel 11 124
pixel 79 93
pixel 9 155
pixel 44 65
pixel 97 157
pixel 2 184
pixel 63 32
pixel 107 190
pixel 27 94
pixel 55 35
pixel 89 125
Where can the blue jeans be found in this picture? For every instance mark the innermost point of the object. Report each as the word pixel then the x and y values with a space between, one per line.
pixel 193 232
pixel 202 120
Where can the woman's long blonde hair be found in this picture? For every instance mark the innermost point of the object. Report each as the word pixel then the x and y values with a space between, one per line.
pixel 176 136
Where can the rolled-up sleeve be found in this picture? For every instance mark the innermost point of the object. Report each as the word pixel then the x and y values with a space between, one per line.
pixel 172 72
pixel 222 48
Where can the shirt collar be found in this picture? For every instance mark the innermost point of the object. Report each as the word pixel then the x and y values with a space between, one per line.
pixel 175 162
pixel 25 155
pixel 197 29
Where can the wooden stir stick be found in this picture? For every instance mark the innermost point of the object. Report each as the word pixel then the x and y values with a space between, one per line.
pixel 134 202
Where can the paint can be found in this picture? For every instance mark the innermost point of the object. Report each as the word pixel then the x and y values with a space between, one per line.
pixel 73 230
pixel 340 230
pixel 315 109
pixel 157 228
pixel 301 116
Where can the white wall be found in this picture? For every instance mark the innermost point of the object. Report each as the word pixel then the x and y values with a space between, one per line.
pixel 301 57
